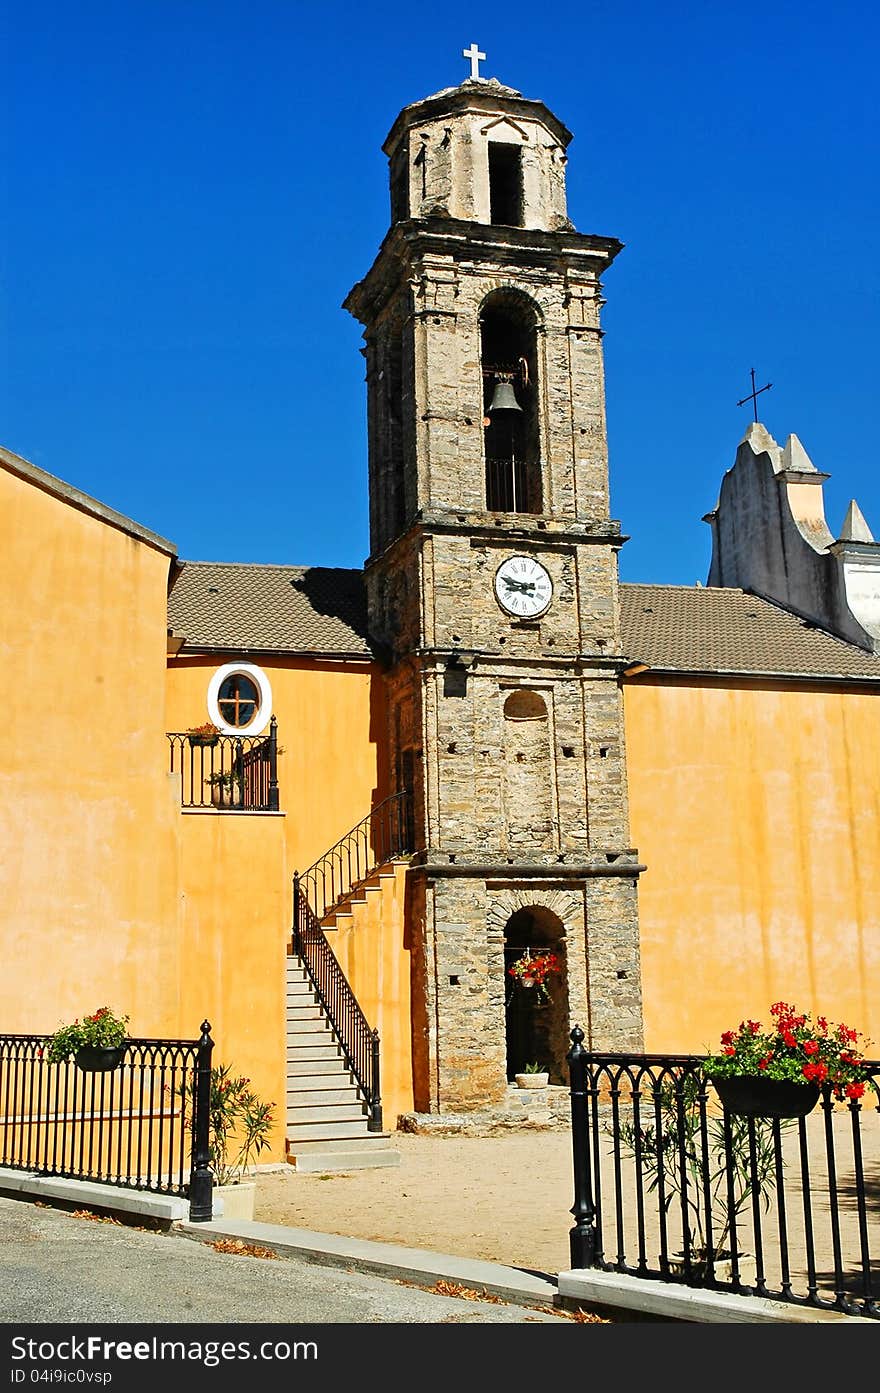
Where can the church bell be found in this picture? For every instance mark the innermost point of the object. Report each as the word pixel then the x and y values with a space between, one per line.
pixel 504 397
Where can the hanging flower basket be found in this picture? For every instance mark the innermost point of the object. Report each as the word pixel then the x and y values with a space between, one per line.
pixel 91 1059
pixel 751 1096
pixel 95 1044
pixel 780 1072
pixel 531 970
pixel 204 735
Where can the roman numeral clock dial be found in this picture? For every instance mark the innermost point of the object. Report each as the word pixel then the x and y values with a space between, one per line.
pixel 523 587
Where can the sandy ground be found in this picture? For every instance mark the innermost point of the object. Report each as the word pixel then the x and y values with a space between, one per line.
pixel 504 1199
pixel 508 1199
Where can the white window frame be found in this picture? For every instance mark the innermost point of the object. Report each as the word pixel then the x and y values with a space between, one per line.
pixel 264 691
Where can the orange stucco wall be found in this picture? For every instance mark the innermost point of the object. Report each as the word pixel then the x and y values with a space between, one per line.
pixel 370 944
pixel 109 894
pixel 87 824
pixel 757 813
pixel 331 730
pixel 330 727
pixel 234 922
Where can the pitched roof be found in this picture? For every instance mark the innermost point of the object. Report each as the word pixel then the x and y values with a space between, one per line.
pixel 270 609
pixel 321 610
pixel 713 629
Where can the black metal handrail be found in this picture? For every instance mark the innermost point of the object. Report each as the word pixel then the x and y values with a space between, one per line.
pixel 386 832
pixel 236 773
pixel 669 1185
pixel 359 1044
pixel 143 1125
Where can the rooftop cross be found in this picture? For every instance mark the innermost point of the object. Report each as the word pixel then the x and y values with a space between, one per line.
pixel 753 395
pixel 475 55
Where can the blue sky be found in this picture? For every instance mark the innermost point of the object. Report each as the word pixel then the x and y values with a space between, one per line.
pixel 192 188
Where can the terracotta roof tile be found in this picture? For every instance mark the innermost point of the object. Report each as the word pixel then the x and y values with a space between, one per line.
pixel 270 609
pixel 681 628
pixel 672 628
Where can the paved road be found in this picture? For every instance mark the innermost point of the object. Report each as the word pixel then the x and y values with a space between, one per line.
pixel 57 1268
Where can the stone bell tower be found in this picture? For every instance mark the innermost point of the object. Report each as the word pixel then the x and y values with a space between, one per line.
pixel 492 592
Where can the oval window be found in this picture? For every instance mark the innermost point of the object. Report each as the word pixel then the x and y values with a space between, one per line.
pixel 240 699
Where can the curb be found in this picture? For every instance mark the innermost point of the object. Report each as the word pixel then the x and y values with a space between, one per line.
pixel 419 1265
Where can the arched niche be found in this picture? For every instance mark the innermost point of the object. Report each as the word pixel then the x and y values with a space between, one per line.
pixel 536 1029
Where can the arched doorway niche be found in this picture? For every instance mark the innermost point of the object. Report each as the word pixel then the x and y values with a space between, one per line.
pixel 536 1029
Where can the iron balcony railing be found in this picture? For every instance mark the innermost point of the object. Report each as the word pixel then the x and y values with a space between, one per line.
pixel 143 1125
pixel 232 773
pixel 669 1185
pixel 384 833
pixel 508 486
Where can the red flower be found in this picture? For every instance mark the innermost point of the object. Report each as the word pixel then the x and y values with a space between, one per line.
pixel 729 1049
pixel 815 1073
pixel 854 1090
pixel 811 1046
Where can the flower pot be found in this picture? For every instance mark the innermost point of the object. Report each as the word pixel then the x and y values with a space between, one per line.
pixel 94 1060
pixel 203 740
pixel 531 1080
pixel 234 1201
pixel 226 796
pixel 749 1095
pixel 527 981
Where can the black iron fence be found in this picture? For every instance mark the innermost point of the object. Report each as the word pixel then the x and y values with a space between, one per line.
pixel 143 1125
pixel 384 833
pixel 669 1185
pixel 232 773
pixel 359 1044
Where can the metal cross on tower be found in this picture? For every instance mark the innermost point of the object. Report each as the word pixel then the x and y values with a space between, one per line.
pixel 753 395
pixel 475 55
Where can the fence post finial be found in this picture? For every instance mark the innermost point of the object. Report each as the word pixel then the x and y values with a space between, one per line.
pixel 582 1238
pixel 201 1179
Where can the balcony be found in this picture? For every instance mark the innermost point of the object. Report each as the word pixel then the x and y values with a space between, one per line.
pixel 226 773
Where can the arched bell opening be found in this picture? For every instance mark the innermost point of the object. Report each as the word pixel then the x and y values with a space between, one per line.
pixel 511 432
pixel 536 1007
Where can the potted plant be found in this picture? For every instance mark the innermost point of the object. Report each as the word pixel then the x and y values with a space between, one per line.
pixel 780 1072
pixel 227 788
pixel 206 734
pixel 240 1124
pixel 96 1043
pixel 534 1075
pixel 531 971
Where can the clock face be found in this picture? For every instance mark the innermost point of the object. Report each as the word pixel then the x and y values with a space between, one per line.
pixel 523 587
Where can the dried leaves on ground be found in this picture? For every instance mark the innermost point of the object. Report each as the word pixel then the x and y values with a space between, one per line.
pixel 241 1249
pixel 444 1288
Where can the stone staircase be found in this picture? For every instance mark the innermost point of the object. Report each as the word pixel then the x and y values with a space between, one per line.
pixel 326 1117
